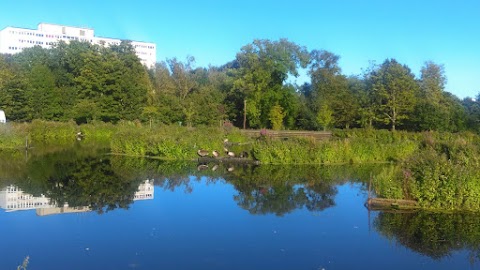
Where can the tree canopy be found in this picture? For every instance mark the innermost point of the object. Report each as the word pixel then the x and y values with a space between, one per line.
pixel 84 82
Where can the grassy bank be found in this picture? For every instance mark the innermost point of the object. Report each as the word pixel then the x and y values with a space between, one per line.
pixel 442 175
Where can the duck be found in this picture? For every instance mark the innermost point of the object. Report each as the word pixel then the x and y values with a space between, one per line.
pixel 229 153
pixel 202 167
pixel 203 153
pixel 215 153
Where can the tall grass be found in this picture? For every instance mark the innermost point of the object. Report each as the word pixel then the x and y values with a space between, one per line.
pixel 168 142
pixel 359 146
pixel 442 175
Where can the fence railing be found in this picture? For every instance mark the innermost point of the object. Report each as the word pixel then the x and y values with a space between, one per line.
pixel 285 134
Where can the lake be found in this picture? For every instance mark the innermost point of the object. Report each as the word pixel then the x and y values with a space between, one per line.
pixel 82 209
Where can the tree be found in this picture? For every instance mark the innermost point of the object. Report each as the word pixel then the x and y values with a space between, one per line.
pixel 181 74
pixel 472 108
pixel 263 69
pixel 44 98
pixel 13 97
pixel 331 87
pixel 276 116
pixel 115 80
pixel 325 116
pixel 394 89
pixel 432 81
pixel 436 109
pixel 363 105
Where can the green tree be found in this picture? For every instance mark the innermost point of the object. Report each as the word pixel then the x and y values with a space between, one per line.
pixel 115 80
pixel 472 111
pixel 44 97
pixel 331 87
pixel 263 69
pixel 436 109
pixel 276 116
pixel 325 116
pixel 182 76
pixel 13 97
pixel 394 89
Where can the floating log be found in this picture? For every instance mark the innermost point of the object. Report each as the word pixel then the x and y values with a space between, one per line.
pixel 390 204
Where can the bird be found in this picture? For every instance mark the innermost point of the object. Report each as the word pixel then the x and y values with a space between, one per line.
pixel 202 153
pixel 215 153
pixel 230 169
pixel 229 153
pixel 202 167
pixel 215 167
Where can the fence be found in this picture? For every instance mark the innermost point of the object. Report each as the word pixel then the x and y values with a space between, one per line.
pixel 286 134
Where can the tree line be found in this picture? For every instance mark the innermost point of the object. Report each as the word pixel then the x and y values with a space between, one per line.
pixel 85 82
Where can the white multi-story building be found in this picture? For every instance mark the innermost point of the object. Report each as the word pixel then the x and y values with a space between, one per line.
pixel 14 40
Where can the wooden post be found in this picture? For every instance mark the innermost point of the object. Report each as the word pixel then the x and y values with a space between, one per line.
pixel 244 114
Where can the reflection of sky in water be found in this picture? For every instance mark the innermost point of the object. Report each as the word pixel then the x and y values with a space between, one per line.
pixel 205 229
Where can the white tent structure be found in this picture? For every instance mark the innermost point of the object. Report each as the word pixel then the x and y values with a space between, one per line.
pixel 3 119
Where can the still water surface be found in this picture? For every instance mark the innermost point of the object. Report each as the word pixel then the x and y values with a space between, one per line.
pixel 82 210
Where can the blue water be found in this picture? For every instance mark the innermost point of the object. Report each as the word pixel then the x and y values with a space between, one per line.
pixel 202 227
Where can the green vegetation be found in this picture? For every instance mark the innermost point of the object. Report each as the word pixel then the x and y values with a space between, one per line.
pixel 175 109
pixel 84 83
pixel 442 175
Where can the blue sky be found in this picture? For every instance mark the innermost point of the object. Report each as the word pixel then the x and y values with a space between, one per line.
pixel 444 31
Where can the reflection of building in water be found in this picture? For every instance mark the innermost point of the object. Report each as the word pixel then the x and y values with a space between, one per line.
pixel 61 210
pixel 14 199
pixel 145 191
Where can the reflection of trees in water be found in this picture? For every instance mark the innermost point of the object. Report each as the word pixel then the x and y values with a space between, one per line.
pixel 261 189
pixel 91 182
pixel 282 189
pixel 435 235
pixel 83 176
pixel 79 178
pixel 281 199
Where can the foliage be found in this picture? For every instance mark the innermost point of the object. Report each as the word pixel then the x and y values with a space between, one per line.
pixel 353 146
pixel 325 117
pixel 264 67
pixel 442 174
pixel 276 116
pixel 79 177
pixel 394 90
pixel 77 81
pixel 84 82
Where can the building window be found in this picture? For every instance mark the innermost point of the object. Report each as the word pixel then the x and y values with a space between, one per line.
pixel 64 31
pixel 82 33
